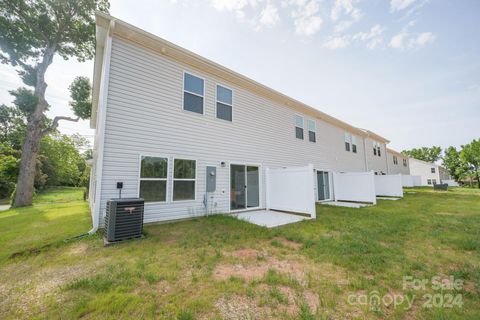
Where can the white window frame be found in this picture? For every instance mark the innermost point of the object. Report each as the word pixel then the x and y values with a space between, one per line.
pixel 153 179
pixel 404 162
pixel 374 144
pixel 196 94
pixel 347 139
pixel 314 129
pixel 217 101
pixel 395 160
pixel 352 139
pixel 303 126
pixel 178 179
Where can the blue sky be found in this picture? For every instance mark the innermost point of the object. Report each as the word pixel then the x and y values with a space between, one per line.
pixel 406 69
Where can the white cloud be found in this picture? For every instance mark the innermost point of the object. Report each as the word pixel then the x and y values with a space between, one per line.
pixel 425 38
pixel 337 42
pixel 375 31
pixel 344 7
pixel 269 16
pixel 407 41
pixel 398 5
pixel 229 5
pixel 398 41
pixel 306 18
pixel 372 39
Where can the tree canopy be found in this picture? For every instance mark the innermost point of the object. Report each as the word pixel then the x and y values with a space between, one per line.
pixel 429 154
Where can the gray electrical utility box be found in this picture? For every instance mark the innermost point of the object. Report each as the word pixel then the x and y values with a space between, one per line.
pixel 211 178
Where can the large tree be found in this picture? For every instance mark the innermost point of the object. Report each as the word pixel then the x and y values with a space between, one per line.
pixel 32 32
pixel 452 161
pixel 431 154
pixel 471 155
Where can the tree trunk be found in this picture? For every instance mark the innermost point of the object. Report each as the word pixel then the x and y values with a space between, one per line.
pixel 31 144
pixel 26 177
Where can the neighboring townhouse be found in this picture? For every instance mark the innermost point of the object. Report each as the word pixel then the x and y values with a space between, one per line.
pixel 429 172
pixel 165 117
pixel 376 155
pixel 397 162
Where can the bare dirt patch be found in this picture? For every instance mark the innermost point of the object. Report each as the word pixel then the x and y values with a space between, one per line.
pixel 79 248
pixel 238 307
pixel 246 253
pixel 296 267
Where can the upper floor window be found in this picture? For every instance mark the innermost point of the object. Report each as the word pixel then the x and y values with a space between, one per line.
pixel 224 103
pixel 354 144
pixel 404 162
pixel 376 148
pixel 193 93
pixel 312 131
pixel 348 139
pixel 433 170
pixel 395 160
pixel 298 126
pixel 153 179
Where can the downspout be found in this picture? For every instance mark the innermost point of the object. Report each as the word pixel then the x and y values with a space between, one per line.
pixel 386 158
pixel 101 120
pixel 365 154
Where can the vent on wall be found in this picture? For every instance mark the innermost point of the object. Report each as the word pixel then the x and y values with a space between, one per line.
pixel 124 219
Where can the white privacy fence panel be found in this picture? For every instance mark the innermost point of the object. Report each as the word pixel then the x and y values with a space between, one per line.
pixel 389 185
pixel 411 181
pixel 451 183
pixel 407 180
pixel 291 189
pixel 354 186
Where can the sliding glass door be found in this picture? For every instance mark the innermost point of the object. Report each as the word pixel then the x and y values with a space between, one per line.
pixel 244 187
pixel 323 185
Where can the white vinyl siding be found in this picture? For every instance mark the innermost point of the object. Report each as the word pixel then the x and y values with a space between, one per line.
pixel 144 116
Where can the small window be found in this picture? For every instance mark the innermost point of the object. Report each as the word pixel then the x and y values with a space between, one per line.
pixel 184 173
pixel 348 139
pixel 354 144
pixel 434 181
pixel 224 103
pixel 153 179
pixel 404 162
pixel 429 181
pixel 193 91
pixel 378 150
pixel 374 148
pixel 299 127
pixel 312 131
pixel 433 170
pixel 395 160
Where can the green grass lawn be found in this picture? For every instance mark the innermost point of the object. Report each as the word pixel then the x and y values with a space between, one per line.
pixel 218 267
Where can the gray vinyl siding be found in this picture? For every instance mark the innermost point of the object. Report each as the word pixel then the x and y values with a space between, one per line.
pixel 145 117
pixel 376 163
pixel 397 168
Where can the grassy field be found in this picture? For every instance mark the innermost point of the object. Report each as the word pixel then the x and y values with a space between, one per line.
pixel 221 268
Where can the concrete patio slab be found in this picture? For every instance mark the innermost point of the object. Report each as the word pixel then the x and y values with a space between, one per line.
pixel 269 218
pixel 387 198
